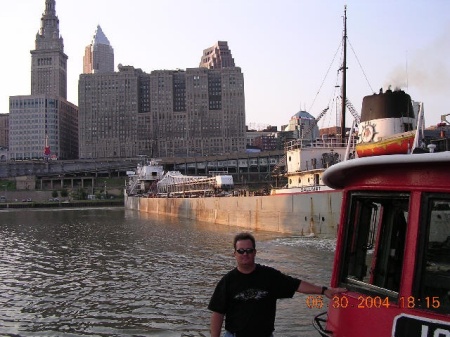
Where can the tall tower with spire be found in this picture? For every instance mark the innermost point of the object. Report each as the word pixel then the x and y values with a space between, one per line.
pixel 48 61
pixel 44 124
pixel 99 55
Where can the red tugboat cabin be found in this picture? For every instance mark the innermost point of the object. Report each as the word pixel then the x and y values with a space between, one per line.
pixel 393 248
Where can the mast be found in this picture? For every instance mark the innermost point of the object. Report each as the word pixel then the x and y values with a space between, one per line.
pixel 344 78
pixel 46 149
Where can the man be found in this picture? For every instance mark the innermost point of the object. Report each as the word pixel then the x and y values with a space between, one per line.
pixel 246 296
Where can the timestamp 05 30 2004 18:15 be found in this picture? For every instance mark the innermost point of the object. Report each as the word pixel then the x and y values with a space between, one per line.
pixel 343 301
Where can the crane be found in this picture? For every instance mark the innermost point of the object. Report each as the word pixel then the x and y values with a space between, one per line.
pixel 308 131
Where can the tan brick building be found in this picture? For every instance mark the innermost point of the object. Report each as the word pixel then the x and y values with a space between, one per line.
pixel 4 130
pixel 166 113
pixel 217 57
pixel 113 109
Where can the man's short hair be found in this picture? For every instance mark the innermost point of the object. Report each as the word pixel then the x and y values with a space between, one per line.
pixel 244 236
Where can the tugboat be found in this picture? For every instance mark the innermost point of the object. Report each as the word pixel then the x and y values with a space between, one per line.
pixel 393 247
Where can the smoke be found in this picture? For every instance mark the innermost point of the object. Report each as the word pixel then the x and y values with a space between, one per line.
pixel 397 79
pixel 427 69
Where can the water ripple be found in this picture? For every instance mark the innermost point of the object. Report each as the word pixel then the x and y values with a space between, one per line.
pixel 110 272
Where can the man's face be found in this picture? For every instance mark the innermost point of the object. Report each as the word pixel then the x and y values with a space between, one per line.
pixel 247 258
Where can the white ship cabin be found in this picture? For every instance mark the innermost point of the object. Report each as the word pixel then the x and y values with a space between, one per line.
pixel 144 177
pixel 306 165
pixel 149 171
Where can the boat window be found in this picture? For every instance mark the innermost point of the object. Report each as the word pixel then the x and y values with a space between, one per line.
pixel 433 282
pixel 374 242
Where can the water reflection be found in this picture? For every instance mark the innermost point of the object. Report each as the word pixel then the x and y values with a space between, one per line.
pixel 112 272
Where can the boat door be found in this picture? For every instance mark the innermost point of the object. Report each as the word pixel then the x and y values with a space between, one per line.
pixel 316 179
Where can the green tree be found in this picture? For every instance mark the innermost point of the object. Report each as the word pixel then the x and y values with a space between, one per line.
pixel 64 193
pixel 79 194
pixel 54 194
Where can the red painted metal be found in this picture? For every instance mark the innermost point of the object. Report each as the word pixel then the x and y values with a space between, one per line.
pixel 352 314
pixel 400 144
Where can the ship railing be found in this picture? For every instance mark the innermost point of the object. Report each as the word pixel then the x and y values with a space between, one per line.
pixel 320 143
pixel 318 322
pixel 132 187
pixel 175 182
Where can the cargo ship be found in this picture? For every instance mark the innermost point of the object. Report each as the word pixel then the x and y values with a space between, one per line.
pixel 306 206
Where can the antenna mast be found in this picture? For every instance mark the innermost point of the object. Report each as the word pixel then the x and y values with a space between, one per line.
pixel 344 78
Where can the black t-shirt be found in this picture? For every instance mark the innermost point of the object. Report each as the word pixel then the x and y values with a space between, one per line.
pixel 248 301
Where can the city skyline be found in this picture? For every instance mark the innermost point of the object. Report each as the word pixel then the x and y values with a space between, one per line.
pixel 284 49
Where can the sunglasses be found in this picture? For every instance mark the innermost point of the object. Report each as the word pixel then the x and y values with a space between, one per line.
pixel 248 251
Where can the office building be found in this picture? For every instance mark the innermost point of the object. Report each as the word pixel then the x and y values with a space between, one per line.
pixel 45 118
pixel 198 112
pixel 4 131
pixel 98 55
pixel 114 114
pixel 38 121
pixel 303 125
pixel 167 113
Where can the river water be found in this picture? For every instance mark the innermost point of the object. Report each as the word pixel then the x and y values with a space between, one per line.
pixel 116 272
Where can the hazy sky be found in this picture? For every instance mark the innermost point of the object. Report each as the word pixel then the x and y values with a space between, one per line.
pixel 285 48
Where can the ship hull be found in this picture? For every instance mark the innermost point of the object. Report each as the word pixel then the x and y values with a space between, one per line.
pixel 397 144
pixel 298 190
pixel 303 214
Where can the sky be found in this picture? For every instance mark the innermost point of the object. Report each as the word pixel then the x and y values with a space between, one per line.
pixel 288 50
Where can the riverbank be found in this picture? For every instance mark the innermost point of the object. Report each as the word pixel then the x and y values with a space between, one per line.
pixel 64 204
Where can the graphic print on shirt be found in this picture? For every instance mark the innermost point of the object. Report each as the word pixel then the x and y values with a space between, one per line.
pixel 251 294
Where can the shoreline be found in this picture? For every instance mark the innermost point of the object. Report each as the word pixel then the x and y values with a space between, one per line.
pixel 65 204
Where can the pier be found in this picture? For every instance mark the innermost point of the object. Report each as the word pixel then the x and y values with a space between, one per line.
pixel 246 168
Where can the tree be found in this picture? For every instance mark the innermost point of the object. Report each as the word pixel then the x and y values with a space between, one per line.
pixel 64 193
pixel 79 194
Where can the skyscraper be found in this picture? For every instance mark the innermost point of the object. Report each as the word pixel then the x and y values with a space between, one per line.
pixel 197 112
pixel 48 61
pixel 99 55
pixel 113 109
pixel 217 57
pixel 167 113
pixel 4 130
pixel 45 118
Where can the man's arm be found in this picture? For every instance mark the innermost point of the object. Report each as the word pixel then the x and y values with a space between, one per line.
pixel 216 324
pixel 309 288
